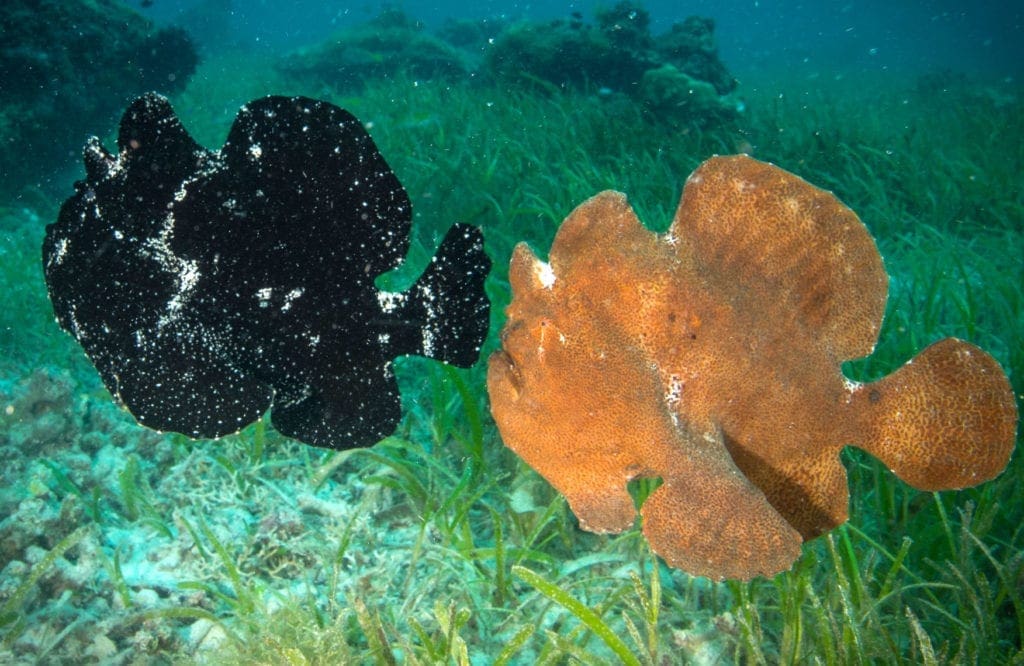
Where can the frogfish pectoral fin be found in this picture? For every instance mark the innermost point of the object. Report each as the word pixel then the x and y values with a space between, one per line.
pixel 947 419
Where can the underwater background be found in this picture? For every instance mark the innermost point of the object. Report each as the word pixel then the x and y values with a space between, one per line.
pixel 438 545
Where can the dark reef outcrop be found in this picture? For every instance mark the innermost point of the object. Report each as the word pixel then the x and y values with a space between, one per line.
pixel 389 44
pixel 66 67
pixel 676 76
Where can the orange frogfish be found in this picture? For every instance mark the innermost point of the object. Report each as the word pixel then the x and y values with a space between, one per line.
pixel 710 356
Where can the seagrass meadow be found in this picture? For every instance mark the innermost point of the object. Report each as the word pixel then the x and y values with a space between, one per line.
pixel 437 545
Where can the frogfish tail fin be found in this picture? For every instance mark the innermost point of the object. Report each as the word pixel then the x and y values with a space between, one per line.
pixel 450 301
pixel 945 420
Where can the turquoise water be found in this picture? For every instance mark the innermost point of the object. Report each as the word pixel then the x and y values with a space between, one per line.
pixel 121 544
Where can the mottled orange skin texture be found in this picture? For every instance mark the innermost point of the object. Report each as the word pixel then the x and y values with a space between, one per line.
pixel 709 356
